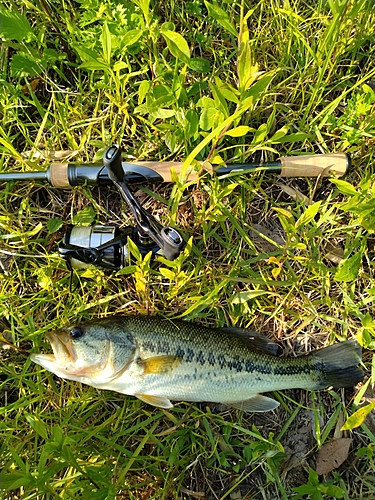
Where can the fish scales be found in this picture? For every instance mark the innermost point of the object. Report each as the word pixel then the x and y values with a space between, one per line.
pixel 159 360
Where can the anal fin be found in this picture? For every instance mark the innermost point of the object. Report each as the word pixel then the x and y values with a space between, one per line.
pixel 258 403
pixel 159 401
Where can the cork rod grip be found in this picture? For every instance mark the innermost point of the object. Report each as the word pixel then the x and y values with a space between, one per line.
pixel 59 175
pixel 315 165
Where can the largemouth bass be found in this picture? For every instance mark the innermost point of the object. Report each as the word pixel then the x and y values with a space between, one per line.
pixel 159 360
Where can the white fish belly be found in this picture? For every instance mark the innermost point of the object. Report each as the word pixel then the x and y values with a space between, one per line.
pixel 193 383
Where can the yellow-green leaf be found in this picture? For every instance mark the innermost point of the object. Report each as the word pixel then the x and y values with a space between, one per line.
pixel 239 131
pixel 358 417
pixel 308 214
pixel 221 16
pixel 177 45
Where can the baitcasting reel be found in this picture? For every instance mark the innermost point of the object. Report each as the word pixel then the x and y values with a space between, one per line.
pixel 106 246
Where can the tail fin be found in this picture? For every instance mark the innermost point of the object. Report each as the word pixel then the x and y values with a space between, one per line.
pixel 338 364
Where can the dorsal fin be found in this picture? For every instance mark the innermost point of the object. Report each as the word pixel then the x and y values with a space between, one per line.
pixel 253 339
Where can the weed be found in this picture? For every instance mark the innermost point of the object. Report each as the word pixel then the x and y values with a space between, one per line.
pixel 212 81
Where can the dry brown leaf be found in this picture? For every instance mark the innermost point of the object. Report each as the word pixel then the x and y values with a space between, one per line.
pixel 370 421
pixel 194 494
pixel 332 455
pixel 369 395
pixel 339 423
pixel 34 84
pixel 50 155
pixel 295 194
pixel 263 244
pixel 334 253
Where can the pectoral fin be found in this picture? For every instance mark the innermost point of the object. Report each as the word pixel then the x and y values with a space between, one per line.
pixel 159 365
pixel 159 401
pixel 256 404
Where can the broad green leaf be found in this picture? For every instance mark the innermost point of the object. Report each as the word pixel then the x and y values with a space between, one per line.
pixel 219 100
pixel 197 88
pixel 344 187
pixel 206 102
pixel 226 90
pixel 279 134
pixel 256 89
pixel 246 72
pixel 168 26
pixel 260 134
pixel 94 65
pixel 228 95
pixel 127 270
pixel 241 297
pixel 199 65
pixel 106 40
pixel 144 5
pixel 134 251
pixel 54 224
pixel 221 17
pixel 38 425
pixel 283 212
pixel 297 137
pixel 162 113
pixel 348 269
pixel 207 117
pixel 367 321
pixel 119 65
pixel 247 68
pixel 44 279
pixel 167 273
pixel 358 417
pixel 22 64
pixel 144 88
pixel 177 45
pixel 90 59
pixel 84 217
pixel 308 214
pixel 239 131
pixel 15 480
pixel 130 38
pixel 192 123
pixel 14 25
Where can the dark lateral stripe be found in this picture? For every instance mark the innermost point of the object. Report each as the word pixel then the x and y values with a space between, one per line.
pixel 190 355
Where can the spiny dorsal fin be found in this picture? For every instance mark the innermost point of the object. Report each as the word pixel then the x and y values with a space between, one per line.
pixel 256 404
pixel 254 340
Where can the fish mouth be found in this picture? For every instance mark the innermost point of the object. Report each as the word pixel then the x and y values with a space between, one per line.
pixel 63 350
pixel 63 357
pixel 67 362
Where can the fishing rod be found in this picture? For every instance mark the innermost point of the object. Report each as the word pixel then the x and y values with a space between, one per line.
pixel 64 175
pixel 106 246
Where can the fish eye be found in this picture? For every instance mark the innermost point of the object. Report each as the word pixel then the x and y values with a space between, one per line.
pixel 76 332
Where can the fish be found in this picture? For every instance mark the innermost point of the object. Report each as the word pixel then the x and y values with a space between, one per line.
pixel 161 360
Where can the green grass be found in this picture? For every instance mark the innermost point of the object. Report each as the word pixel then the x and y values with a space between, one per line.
pixel 299 77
